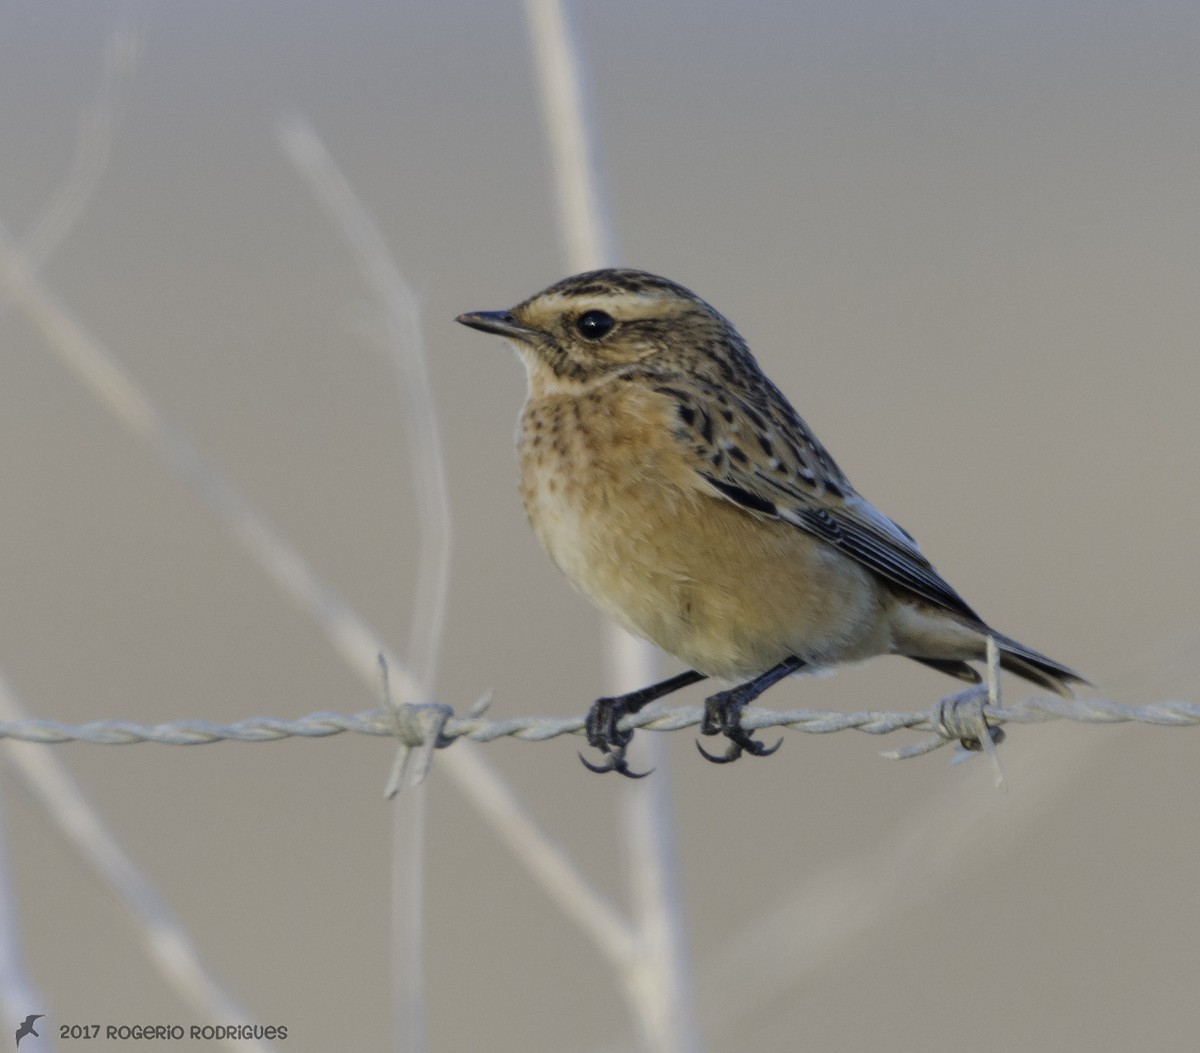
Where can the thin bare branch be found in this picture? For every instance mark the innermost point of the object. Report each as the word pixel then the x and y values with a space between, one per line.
pixel 166 941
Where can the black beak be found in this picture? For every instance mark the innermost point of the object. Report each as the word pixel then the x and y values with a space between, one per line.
pixel 502 323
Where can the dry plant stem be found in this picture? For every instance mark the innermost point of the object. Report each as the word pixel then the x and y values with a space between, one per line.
pixel 845 903
pixel 837 906
pixel 107 380
pixel 94 145
pixel 54 223
pixel 406 349
pixel 17 992
pixel 663 981
pixel 658 985
pixel 352 638
pixel 357 644
pixel 574 147
pixel 406 346
pixel 611 933
pixel 166 941
pixel 409 1016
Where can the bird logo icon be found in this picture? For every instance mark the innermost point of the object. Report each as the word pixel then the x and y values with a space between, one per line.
pixel 26 1027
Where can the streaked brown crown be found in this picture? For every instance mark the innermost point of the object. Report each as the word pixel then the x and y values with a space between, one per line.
pixel 592 324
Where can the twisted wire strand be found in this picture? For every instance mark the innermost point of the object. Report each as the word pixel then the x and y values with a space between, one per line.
pixel 952 719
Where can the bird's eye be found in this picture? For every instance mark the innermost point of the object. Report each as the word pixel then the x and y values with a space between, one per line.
pixel 594 325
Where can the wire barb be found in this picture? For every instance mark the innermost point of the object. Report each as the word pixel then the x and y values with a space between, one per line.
pixel 419 728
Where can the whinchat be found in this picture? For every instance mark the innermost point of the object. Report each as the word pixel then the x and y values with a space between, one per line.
pixel 676 486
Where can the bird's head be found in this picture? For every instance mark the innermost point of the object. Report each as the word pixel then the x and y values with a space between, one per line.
pixel 583 329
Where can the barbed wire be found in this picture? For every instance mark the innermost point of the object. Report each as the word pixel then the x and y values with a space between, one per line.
pixel 953 719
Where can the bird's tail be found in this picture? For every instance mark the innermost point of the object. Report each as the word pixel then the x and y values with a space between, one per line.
pixel 1019 660
pixel 1035 666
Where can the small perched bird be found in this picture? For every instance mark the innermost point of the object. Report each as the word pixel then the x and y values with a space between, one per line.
pixel 676 486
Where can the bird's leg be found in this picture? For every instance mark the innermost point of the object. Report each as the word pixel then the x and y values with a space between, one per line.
pixel 723 714
pixel 602 718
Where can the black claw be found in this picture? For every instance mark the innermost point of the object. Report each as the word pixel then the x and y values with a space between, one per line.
pixel 761 749
pixel 599 769
pixel 614 761
pixel 731 753
pixel 739 741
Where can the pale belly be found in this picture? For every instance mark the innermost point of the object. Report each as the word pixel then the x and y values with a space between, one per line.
pixel 728 594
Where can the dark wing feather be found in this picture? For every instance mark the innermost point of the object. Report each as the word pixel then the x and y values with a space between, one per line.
pixel 754 450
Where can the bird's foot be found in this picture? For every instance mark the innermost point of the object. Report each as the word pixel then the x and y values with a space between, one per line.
pixel 723 716
pixel 605 713
pixel 604 735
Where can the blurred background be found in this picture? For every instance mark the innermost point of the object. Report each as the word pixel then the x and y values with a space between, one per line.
pixel 962 237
